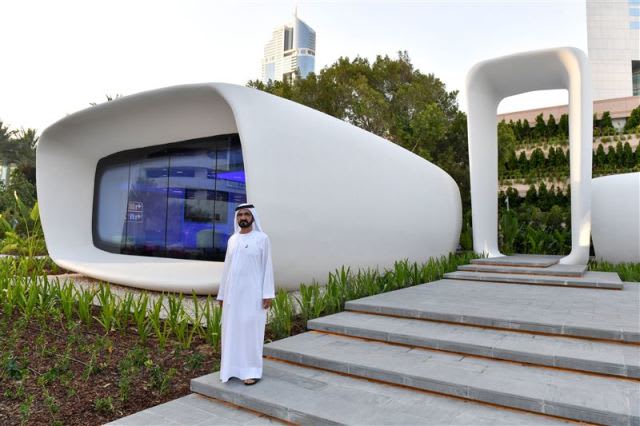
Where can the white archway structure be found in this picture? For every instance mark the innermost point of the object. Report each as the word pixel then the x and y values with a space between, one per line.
pixel 491 81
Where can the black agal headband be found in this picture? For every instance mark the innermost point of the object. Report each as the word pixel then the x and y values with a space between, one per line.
pixel 245 206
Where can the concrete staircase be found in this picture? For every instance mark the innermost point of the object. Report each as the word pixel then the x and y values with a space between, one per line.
pixel 514 340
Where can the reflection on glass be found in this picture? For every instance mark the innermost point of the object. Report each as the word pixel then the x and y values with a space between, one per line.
pixel 176 200
pixel 113 191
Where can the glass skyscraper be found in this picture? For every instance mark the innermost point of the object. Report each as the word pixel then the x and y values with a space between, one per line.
pixel 292 48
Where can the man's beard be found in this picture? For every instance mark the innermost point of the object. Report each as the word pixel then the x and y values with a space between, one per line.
pixel 245 223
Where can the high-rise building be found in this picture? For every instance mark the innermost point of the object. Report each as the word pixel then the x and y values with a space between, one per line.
pixel 292 48
pixel 613 35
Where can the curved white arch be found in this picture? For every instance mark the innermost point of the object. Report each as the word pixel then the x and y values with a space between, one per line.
pixel 328 193
pixel 491 81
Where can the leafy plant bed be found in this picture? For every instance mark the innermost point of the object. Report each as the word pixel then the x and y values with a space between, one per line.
pixel 58 372
pixel 29 266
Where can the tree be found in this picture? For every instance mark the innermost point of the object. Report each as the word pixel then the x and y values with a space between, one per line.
pixel 18 147
pixel 552 127
pixel 506 145
pixel 612 158
pixel 543 197
pixel 600 157
pixel 627 156
pixel 526 129
pixel 606 122
pixel 540 130
pixel 517 128
pixel 537 160
pixel 551 158
pixel 633 121
pixel 392 99
pixel 532 196
pixel 563 125
pixel 523 163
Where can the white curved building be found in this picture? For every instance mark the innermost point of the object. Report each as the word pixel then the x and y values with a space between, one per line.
pixel 141 191
pixel 616 218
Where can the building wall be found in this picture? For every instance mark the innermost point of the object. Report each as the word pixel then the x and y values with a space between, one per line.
pixel 620 109
pixel 613 34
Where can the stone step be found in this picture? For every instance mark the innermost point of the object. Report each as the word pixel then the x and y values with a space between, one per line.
pixel 196 410
pixel 303 395
pixel 601 280
pixel 569 311
pixel 555 270
pixel 568 394
pixel 564 352
pixel 532 260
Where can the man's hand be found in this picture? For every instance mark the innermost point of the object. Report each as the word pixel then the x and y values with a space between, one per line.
pixel 221 302
pixel 266 303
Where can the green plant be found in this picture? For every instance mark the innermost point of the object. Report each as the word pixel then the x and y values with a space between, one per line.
pixel 124 308
pixel 159 327
pixel 282 314
pixel 32 242
pixel 139 313
pixel 12 369
pixel 311 302
pixel 92 367
pixel 509 228
pixel 25 408
pixel 104 405
pixel 160 379
pixel 334 290
pixel 66 298
pixel 194 361
pixel 108 308
pixel 213 322
pixel 196 322
pixel 629 272
pixel 84 299
pixel 51 402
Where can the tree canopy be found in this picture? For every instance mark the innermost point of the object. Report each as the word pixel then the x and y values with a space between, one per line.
pixel 392 99
pixel 18 147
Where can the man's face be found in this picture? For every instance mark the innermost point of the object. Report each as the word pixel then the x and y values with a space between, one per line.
pixel 244 218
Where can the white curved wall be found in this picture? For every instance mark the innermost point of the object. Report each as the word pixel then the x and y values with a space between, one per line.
pixel 616 218
pixel 328 193
pixel 488 83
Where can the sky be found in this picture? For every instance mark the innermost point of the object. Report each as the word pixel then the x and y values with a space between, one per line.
pixel 59 56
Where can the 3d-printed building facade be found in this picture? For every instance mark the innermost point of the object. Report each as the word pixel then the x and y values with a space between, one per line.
pixel 141 191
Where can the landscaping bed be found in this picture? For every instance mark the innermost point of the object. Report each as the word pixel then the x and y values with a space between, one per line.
pixel 82 355
pixel 58 372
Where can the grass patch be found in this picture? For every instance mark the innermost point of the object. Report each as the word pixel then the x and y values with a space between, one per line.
pixel 626 271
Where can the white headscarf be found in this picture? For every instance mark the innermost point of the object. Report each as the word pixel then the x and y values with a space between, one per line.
pixel 256 221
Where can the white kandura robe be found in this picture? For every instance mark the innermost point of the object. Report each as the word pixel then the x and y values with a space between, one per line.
pixel 247 278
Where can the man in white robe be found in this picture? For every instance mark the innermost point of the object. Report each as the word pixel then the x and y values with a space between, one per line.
pixel 245 294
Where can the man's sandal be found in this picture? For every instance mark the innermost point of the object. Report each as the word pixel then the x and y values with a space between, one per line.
pixel 250 382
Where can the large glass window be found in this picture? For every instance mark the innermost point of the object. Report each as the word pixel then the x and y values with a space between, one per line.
pixel 174 200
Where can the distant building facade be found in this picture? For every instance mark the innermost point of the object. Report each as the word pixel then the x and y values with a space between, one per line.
pixel 613 35
pixel 292 48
